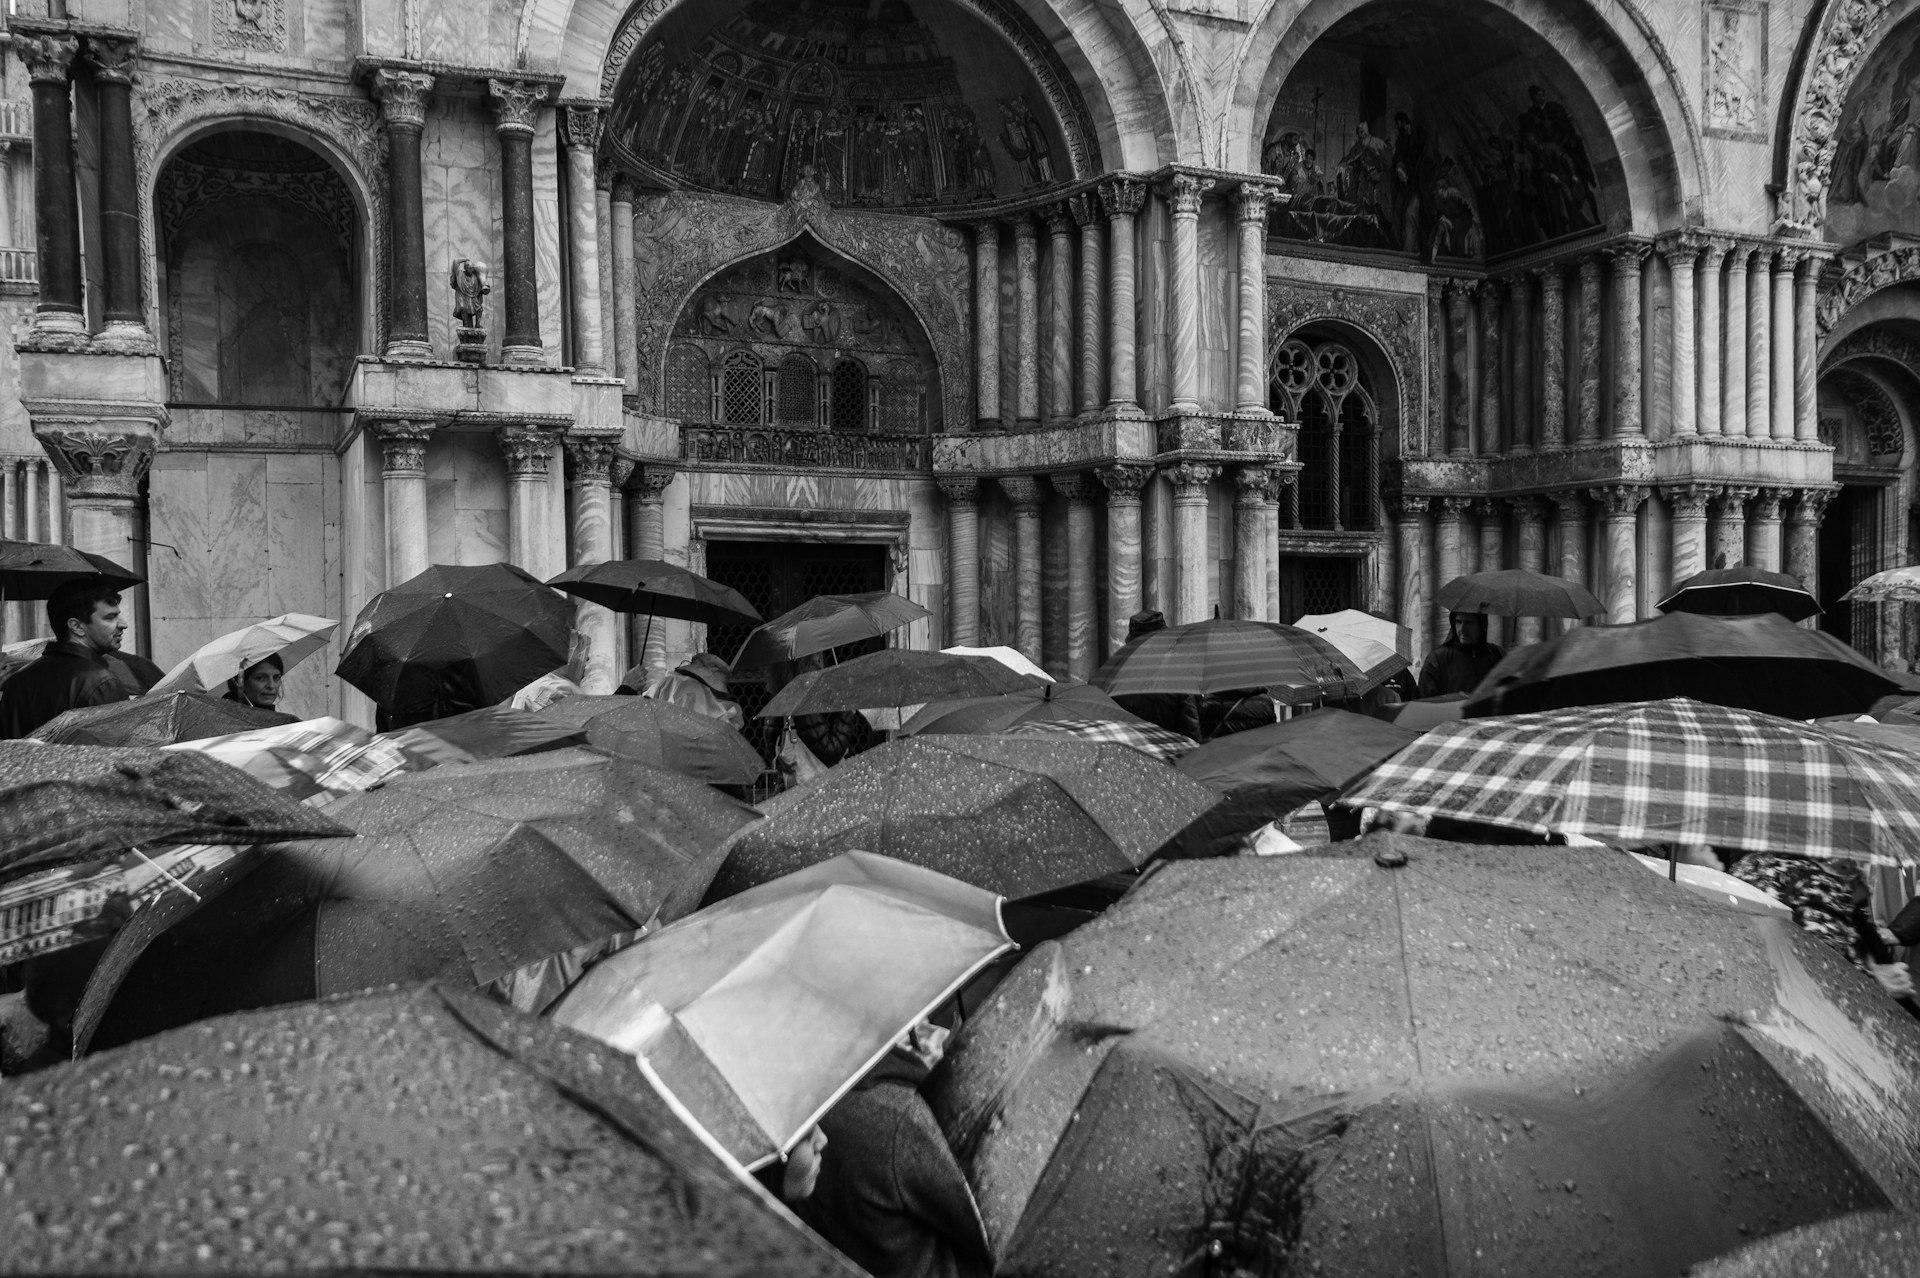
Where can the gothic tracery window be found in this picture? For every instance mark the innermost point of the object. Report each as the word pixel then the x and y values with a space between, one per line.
pixel 1322 387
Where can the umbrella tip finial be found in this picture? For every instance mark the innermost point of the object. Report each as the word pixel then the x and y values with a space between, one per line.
pixel 1390 857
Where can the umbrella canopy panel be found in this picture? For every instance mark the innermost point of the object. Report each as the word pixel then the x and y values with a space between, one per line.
pixel 1519 592
pixel 1295 666
pixel 157 720
pixel 663 735
pixel 985 715
pixel 894 677
pixel 35 569
pixel 1742 592
pixel 827 621
pixel 657 589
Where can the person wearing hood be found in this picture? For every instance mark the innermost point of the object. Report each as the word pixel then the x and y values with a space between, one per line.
pixel 698 684
pixel 1459 664
pixel 891 1196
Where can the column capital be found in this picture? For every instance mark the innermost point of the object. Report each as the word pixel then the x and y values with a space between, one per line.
pixel 1569 504
pixel 1680 250
pixel 403 446
pixel 49 58
pixel 1786 259
pixel 1085 207
pixel 1022 490
pixel 1251 484
pixel 1059 219
pixel 1452 507
pixel 1252 200
pixel 403 97
pixel 620 470
pixel 1768 502
pixel 590 459
pixel 580 124
pixel 94 462
pixel 1731 501
pixel 1590 264
pixel 1552 275
pixel 960 490
pixel 1488 508
pixel 1122 197
pixel 515 104
pixel 604 175
pixel 1619 501
pixel 1074 485
pixel 1529 508
pixel 1714 249
pixel 1408 506
pixel 648 483
pixel 624 188
pixel 527 450
pixel 1739 255
pixel 1810 506
pixel 1629 256
pixel 1183 193
pixel 1190 477
pixel 1689 501
pixel 112 57
pixel 1124 480
pixel 1024 227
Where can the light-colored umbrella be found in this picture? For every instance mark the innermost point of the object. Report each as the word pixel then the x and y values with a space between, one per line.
pixel 1379 647
pixel 1895 585
pixel 294 636
pixel 893 720
pixel 759 1013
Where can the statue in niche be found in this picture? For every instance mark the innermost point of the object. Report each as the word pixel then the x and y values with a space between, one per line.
pixel 468 280
pixel 1026 141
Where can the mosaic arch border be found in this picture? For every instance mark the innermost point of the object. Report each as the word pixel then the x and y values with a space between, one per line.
pixel 689 237
pixel 1396 323
pixel 172 112
pixel 1849 34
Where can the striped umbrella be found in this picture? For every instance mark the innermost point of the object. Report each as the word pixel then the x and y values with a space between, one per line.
pixel 1294 665
pixel 1673 771
pixel 1148 738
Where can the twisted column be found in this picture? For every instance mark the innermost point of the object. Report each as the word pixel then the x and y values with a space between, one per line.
pixel 515 104
pixel 1409 522
pixel 1184 192
pixel 1250 214
pixel 528 452
pixel 1086 211
pixel 1553 357
pixel 589 465
pixel 1123 483
pixel 1733 387
pixel 986 325
pixel 403 97
pixel 1191 569
pixel 1122 198
pixel 1586 428
pixel 1628 417
pixel 1683 259
pixel 1251 486
pixel 1530 516
pixel 1082 623
pixel 1026 323
pixel 1024 492
pixel 403 495
pixel 1060 321
pixel 1619 519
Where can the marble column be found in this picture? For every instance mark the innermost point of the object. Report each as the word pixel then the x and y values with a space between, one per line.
pixel 1530 522
pixel 515 104
pixel 112 62
pixel 1628 413
pixel 1493 550
pixel 403 494
pixel 986 325
pixel 1586 425
pixel 1090 391
pixel 589 461
pixel 1733 385
pixel 1553 357
pixel 1490 297
pixel 1730 527
pixel 1123 483
pixel 1763 529
pixel 1083 622
pixel 1192 566
pixel 647 539
pixel 1409 516
pixel 1251 485
pixel 1806 418
pixel 1280 480
pixel 1184 192
pixel 1459 380
pixel 528 452
pixel 56 218
pixel 1121 198
pixel 1687 504
pixel 1783 346
pixel 403 99
pixel 1024 492
pixel 1683 259
pixel 963 558
pixel 1570 520
pixel 580 137
pixel 1707 405
pixel 101 470
pixel 1522 421
pixel 626 339
pixel 1447 555
pixel 603 173
pixel 1619 517
pixel 1803 536
pixel 1060 348
pixel 1759 348
pixel 1026 323
pixel 1250 219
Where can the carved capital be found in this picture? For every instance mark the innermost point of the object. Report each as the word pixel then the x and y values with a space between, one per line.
pixel 1123 197
pixel 1681 251
pixel 526 449
pixel 1530 510
pixel 1253 199
pixel 620 470
pixel 1768 502
pixel 1731 503
pixel 1810 507
pixel 1408 507
pixel 1689 501
pixel 1785 260
pixel 1590 265
pixel 649 483
pixel 1023 490
pixel 1451 508
pixel 1183 193
pixel 1628 258
pixel 1571 507
pixel 1025 228
pixel 1252 485
pixel 1713 251
pixel 1072 484
pixel 97 463
pixel 112 58
pixel 515 104
pixel 403 97
pixel 1085 207
pixel 49 58
pixel 1059 220
pixel 1191 477
pixel 624 188
pixel 580 126
pixel 1488 508
pixel 1124 481
pixel 1619 501
pixel 403 446
pixel 960 490
pixel 590 459
pixel 603 177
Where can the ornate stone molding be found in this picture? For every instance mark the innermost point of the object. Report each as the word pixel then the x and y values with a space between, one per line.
pixel 1835 58
pixel 581 125
pixel 620 470
pixel 1085 207
pixel 960 490
pixel 1074 485
pixel 528 451
pixel 94 463
pixel 1879 417
pixel 1184 192
pixel 1395 322
pixel 516 104
pixel 48 58
pixel 1124 482
pixel 1877 342
pixel 1857 283
pixel 1021 490
pixel 1689 501
pixel 1123 197
pixel 403 97
pixel 112 58
pixel 1619 501
pixel 1252 200
pixel 651 482
pixel 1252 485
pixel 1189 477
pixel 590 458
pixel 403 446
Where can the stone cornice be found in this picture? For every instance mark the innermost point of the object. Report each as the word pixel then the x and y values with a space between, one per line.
pixel 458 77
pixel 1103 439
pixel 1718 461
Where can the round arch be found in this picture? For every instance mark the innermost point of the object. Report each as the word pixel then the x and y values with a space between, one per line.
pixel 1646 120
pixel 1834 52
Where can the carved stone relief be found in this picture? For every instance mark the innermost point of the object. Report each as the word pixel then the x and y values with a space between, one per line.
pixel 1879 416
pixel 1875 343
pixel 1733 34
pixel 250 24
pixel 1397 323
pixel 1882 270
pixel 1838 53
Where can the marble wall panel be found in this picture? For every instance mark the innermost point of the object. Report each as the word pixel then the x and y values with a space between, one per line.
pixel 176 506
pixel 546 233
pixel 16 432
pixel 472 35
pixel 327 28
pixel 168 25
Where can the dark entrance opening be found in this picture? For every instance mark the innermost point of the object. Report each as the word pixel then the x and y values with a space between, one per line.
pixel 1850 553
pixel 1315 584
pixel 776 576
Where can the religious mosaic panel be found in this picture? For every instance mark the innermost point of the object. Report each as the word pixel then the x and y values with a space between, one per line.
pixel 1875 185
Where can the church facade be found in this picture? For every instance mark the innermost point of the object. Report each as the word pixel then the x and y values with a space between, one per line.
pixel 1039 312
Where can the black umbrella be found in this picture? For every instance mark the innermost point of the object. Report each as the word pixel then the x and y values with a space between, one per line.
pixel 157 721
pixel 1519 592
pixel 1742 592
pixel 1011 815
pixel 895 677
pixel 500 732
pixel 657 589
pixel 422 1130
pixel 457 637
pixel 1488 1060
pixel 35 569
pixel 826 621
pixel 1762 662
pixel 664 735
pixel 1868 1244
pixel 62 804
pixel 462 873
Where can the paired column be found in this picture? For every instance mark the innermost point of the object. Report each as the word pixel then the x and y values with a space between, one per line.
pixel 49 62
pixel 1024 492
pixel 1783 345
pixel 1121 198
pixel 963 558
pixel 1026 316
pixel 1759 348
pixel 1619 516
pixel 1491 298
pixel 515 103
pixel 1688 506
pixel 1093 258
pixel 403 97
pixel 1082 625
pixel 1184 192
pixel 647 539
pixel 403 494
pixel 1459 405
pixel 1733 388
pixel 1447 555
pixel 603 255
pixel 1060 361
pixel 1123 482
pixel 1586 426
pixel 1190 569
pixel 528 452
pixel 1763 528
pixel 1570 517
pixel 1493 549
pixel 1803 535
pixel 626 340
pixel 1250 381
pixel 1409 522
pixel 1553 358
pixel 986 325
pixel 1708 402
pixel 1530 519
pixel 1282 480
pixel 112 62
pixel 1730 527
pixel 589 462
pixel 1628 421
pixel 580 137
pixel 1251 486
pixel 1806 420
pixel 1683 259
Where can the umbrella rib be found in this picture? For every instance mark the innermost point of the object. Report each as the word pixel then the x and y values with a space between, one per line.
pixel 1419 1061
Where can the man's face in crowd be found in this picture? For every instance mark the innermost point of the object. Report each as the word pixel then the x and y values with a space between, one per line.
pixel 102 633
pixel 1472 629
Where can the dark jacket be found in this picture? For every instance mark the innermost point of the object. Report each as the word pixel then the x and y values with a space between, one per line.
pixel 890 1195
pixel 1456 667
pixel 66 677
pixel 1203 718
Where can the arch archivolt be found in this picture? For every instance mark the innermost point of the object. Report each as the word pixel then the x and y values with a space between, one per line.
pixel 1859 282
pixel 1394 323
pixel 684 238
pixel 1849 33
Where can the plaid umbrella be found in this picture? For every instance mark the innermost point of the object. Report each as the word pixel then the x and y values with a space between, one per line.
pixel 1673 771
pixel 827 621
pixel 1148 738
pixel 1741 592
pixel 1294 665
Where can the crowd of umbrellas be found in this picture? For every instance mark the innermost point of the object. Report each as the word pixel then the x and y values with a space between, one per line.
pixel 524 983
